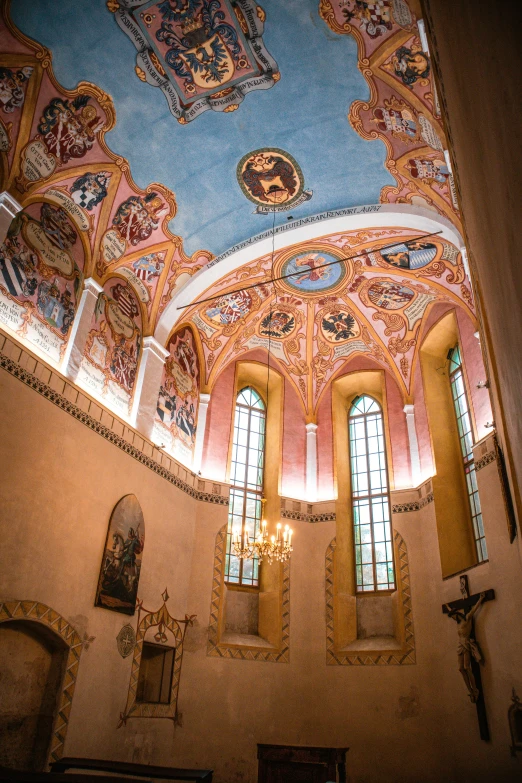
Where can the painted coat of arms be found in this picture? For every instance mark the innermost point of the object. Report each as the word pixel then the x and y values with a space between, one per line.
pixel 272 179
pixel 12 87
pixel 68 128
pixel 376 17
pixel 203 54
pixel 90 189
pixel 278 324
pixel 136 218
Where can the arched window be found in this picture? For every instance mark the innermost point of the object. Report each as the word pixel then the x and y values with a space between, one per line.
pixel 246 480
pixel 460 401
pixel 374 568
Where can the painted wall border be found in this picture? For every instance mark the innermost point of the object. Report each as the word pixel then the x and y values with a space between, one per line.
pixel 416 505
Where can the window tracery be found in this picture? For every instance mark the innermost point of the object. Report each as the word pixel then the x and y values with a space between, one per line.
pixel 374 567
pixel 461 404
pixel 246 484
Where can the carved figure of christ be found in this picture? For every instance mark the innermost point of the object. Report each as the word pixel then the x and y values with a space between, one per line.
pixel 469 654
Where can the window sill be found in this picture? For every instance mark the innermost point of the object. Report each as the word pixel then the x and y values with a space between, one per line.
pixel 242 588
pixel 372 644
pixel 245 640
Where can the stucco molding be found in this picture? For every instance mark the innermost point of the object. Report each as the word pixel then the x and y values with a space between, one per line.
pixel 34 611
pixel 220 649
pixel 405 655
pixel 101 429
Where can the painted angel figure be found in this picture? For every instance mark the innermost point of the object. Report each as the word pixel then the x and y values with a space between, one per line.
pixel 467 646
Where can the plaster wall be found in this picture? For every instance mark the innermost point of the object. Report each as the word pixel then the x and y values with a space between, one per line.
pixel 325 464
pixel 422 427
pixel 293 478
pixel 219 416
pixel 402 723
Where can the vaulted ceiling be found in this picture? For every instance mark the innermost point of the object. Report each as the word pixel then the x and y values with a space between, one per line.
pixel 250 138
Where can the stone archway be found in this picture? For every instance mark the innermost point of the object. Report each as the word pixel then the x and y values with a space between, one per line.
pixel 60 640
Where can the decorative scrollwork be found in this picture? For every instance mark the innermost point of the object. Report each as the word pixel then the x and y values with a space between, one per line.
pixel 399 345
pixel 393 321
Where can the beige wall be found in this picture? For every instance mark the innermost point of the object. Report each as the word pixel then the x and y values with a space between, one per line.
pixel 59 483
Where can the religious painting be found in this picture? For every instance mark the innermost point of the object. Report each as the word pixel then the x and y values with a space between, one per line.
pixel 339 325
pixel 121 562
pixel 410 255
pixel 410 64
pixel 41 263
pixel 137 217
pixel 203 54
pixel 229 308
pixel 272 179
pixel 13 83
pixel 389 295
pixel 177 405
pixel 68 127
pixel 315 271
pixel 109 365
pixel 278 323
pixel 90 189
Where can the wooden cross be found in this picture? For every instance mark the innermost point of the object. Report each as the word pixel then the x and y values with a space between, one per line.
pixel 469 654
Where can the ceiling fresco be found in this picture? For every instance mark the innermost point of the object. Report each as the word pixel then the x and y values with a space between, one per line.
pixel 162 209
pixel 304 114
pixel 323 312
pixel 202 54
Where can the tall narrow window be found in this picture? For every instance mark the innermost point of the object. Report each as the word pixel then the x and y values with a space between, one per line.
pixel 246 479
pixel 374 568
pixel 460 400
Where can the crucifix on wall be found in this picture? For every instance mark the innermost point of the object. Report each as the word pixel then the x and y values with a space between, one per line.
pixel 469 654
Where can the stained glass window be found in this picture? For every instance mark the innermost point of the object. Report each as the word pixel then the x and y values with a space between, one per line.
pixel 374 569
pixel 246 480
pixel 460 401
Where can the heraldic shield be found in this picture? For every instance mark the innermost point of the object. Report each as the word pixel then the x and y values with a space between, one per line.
pixel 203 54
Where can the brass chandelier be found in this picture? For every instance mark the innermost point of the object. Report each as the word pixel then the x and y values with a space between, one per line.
pixel 278 547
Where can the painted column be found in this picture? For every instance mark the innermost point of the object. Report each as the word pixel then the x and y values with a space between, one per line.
pixel 204 400
pixel 311 462
pixel 9 208
pixel 414 446
pixel 147 385
pixel 80 328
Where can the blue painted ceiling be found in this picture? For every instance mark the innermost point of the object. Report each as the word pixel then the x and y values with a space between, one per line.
pixel 305 114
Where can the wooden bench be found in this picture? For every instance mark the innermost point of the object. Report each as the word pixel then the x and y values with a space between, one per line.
pixel 26 776
pixel 124 768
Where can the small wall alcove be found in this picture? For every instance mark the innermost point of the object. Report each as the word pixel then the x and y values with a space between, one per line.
pixel 39 658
